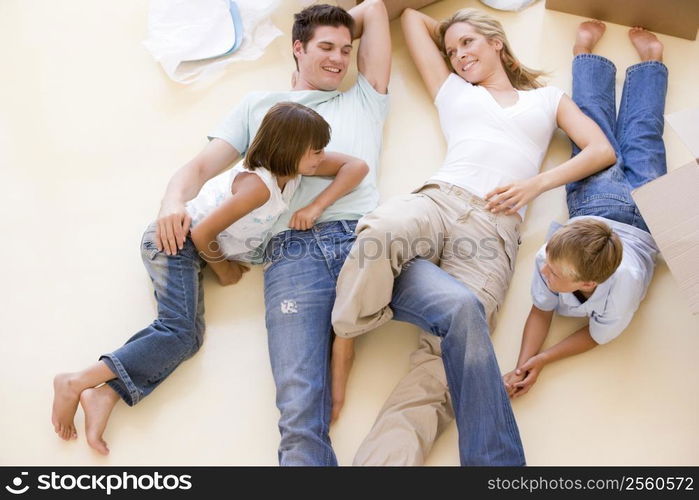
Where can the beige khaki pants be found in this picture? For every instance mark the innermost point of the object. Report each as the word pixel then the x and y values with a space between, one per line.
pixel 450 227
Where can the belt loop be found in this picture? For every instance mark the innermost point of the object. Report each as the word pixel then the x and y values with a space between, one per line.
pixel 346 226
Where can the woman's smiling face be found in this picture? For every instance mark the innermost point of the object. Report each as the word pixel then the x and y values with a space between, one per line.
pixel 473 56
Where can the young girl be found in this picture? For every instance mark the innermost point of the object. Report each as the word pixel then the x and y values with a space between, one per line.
pixel 231 219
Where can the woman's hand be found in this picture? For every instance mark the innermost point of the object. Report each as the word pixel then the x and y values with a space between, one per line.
pixel 511 197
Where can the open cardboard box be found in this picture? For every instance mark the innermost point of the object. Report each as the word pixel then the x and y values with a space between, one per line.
pixel 673 17
pixel 670 207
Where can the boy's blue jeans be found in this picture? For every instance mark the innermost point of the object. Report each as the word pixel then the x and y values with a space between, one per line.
pixel 147 358
pixel 636 135
pixel 301 269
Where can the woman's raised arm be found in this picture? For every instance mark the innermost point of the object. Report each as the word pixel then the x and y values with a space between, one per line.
pixel 420 32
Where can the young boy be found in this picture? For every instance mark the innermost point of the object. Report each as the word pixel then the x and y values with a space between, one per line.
pixel 600 263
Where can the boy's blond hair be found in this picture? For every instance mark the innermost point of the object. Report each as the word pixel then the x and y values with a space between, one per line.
pixel 588 248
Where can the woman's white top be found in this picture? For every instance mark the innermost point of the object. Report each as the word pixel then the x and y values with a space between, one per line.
pixel 490 146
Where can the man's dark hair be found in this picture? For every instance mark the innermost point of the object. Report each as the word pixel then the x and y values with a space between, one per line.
pixel 306 22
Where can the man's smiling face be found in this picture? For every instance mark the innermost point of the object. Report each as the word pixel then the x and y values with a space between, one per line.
pixel 324 61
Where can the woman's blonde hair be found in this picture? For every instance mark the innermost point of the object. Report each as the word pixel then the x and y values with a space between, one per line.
pixel 520 76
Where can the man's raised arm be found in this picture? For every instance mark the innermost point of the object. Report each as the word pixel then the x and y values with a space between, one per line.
pixel 374 57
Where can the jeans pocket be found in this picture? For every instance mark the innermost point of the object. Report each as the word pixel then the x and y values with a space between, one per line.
pixel 509 233
pixel 149 248
pixel 495 289
pixel 273 253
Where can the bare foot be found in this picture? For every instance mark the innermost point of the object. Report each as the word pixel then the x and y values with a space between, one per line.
pixel 66 394
pixel 647 45
pixel 98 405
pixel 588 35
pixel 340 366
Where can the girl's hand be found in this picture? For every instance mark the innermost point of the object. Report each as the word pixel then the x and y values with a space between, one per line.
pixel 512 197
pixel 306 217
pixel 231 274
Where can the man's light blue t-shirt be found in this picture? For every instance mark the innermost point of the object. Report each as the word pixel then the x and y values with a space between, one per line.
pixel 614 302
pixel 356 117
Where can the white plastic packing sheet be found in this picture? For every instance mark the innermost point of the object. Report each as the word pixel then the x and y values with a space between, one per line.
pixel 183 33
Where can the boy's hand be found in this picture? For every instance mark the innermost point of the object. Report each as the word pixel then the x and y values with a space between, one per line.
pixel 172 227
pixel 531 370
pixel 306 217
pixel 340 366
pixel 512 197
pixel 510 379
pixel 231 274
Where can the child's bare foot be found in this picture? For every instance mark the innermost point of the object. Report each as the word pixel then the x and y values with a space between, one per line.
pixel 66 394
pixel 647 45
pixel 587 37
pixel 98 405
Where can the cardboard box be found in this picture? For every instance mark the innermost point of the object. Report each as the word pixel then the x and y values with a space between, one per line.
pixel 673 17
pixel 670 207
pixel 686 124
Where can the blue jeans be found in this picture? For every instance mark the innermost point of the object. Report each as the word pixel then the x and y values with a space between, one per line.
pixel 147 358
pixel 636 135
pixel 430 298
pixel 300 276
pixel 301 269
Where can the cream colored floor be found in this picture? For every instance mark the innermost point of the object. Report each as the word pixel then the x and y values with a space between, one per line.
pixel 91 130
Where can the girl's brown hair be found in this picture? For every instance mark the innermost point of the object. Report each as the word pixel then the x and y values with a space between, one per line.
pixel 520 76
pixel 286 133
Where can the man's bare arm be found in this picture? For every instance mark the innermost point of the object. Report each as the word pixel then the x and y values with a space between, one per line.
pixel 185 184
pixel 374 57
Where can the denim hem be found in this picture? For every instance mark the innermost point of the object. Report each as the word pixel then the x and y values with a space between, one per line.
pixel 643 64
pixel 118 386
pixel 596 57
pixel 131 397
